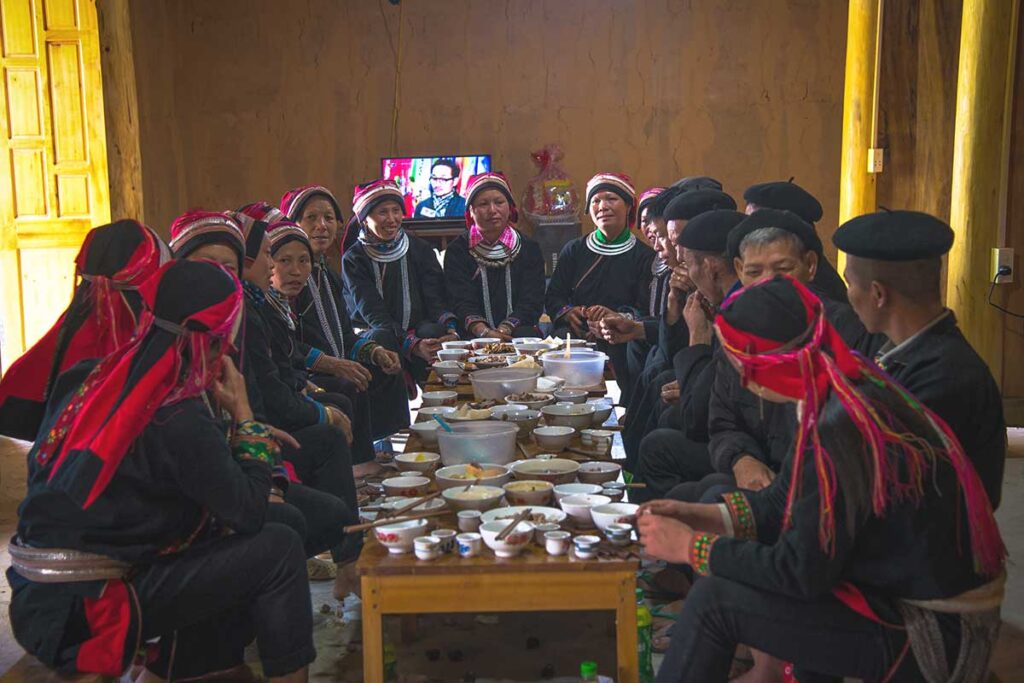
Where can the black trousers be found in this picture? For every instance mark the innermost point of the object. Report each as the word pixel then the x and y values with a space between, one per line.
pixel 821 635
pixel 356 405
pixel 319 518
pixel 643 413
pixel 323 462
pixel 209 602
pixel 667 460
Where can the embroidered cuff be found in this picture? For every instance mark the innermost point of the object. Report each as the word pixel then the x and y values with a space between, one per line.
pixel 312 357
pixel 473 320
pixel 742 516
pixel 410 341
pixel 448 319
pixel 321 412
pixel 562 311
pixel 510 322
pixel 700 551
pixel 362 350
pixel 279 477
pixel 253 441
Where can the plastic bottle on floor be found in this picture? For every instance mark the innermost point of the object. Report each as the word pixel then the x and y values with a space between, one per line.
pixel 644 632
pixel 588 673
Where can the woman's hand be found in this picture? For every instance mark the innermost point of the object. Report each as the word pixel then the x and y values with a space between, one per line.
pixel 598 313
pixel 752 474
pixel 670 392
pixel 345 369
pixel 284 438
pixel 338 419
pixel 387 361
pixel 427 349
pixel 576 317
pixel 617 329
pixel 229 391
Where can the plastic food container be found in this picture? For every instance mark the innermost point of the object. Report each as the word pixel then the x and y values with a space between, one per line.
pixel 478 442
pixel 583 367
pixel 500 382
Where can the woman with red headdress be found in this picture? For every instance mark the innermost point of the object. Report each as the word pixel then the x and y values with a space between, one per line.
pixel 873 555
pixel 113 261
pixel 494 274
pixel 603 272
pixel 143 520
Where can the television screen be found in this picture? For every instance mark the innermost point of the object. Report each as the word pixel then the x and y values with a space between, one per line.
pixel 434 187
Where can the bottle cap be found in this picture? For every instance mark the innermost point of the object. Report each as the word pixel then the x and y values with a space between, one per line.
pixel 639 594
pixel 588 669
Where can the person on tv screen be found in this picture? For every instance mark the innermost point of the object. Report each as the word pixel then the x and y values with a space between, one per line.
pixel 444 201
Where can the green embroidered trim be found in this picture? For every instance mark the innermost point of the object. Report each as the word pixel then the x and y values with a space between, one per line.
pixel 700 552
pixel 621 239
pixel 254 441
pixel 743 524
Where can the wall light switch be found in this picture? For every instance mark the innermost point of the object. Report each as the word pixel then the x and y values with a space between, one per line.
pixel 1002 257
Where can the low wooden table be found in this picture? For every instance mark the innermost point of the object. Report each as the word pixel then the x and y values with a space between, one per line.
pixel 465 390
pixel 532 582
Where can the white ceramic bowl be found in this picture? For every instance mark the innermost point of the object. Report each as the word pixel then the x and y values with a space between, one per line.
pixel 456 345
pixel 422 461
pixel 398 502
pixel 524 419
pixel 539 514
pixel 408 486
pixel 498 411
pixel 481 342
pixel 571 395
pixel 398 538
pixel 613 513
pixel 547 399
pixel 602 409
pixel 427 414
pixel 557 471
pixel 427 432
pixel 563 490
pixel 516 341
pixel 446 476
pixel 553 438
pixel 598 472
pixel 575 416
pixel 513 544
pixel 432 398
pixel 452 355
pixel 528 492
pixel 578 507
pixel 475 498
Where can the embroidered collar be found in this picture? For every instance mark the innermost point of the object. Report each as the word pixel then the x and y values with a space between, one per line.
pixel 384 252
pixel 254 293
pixel 623 243
pixel 497 254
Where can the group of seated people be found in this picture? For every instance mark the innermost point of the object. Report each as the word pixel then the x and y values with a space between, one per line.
pixel 202 410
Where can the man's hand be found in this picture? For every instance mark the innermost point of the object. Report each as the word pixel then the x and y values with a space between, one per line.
pixel 664 538
pixel 697 320
pixel 597 313
pixel 670 392
pixel 752 474
pixel 387 361
pixel 427 349
pixel 481 330
pixel 616 329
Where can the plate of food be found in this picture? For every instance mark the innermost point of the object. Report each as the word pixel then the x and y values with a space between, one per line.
pixel 495 360
pixel 538 514
pixel 500 348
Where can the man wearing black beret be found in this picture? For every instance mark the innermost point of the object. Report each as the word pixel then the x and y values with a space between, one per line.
pixel 678 453
pixel 894 269
pixel 788 196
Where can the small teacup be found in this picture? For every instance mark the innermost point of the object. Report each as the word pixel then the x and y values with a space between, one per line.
pixel 618 533
pixel 615 494
pixel 469 520
pixel 447 538
pixel 586 546
pixel 468 544
pixel 539 530
pixel 556 542
pixel 427 548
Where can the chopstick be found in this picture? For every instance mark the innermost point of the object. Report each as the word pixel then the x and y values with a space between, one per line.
pixel 393 520
pixel 471 484
pixel 414 504
pixel 513 524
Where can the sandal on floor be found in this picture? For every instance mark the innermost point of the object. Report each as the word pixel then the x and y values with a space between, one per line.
pixel 661 639
pixel 320 570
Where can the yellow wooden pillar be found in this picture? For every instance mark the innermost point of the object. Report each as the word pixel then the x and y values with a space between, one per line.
pixel 987 46
pixel 856 185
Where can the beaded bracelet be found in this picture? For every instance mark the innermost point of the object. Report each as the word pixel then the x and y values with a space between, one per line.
pixel 700 551
pixel 254 441
pixel 743 524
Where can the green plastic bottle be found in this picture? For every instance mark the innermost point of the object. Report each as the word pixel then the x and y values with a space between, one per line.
pixel 644 631
pixel 588 671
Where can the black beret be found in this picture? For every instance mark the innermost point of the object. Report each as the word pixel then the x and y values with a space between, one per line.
pixel 894 236
pixel 710 230
pixel 770 310
pixel 697 182
pixel 787 196
pixel 772 218
pixel 695 202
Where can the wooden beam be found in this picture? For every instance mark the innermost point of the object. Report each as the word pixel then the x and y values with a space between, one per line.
pixel 856 185
pixel 121 105
pixel 986 49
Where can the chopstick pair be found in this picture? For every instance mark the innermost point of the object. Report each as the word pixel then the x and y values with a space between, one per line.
pixel 513 524
pixel 393 520
pixel 414 504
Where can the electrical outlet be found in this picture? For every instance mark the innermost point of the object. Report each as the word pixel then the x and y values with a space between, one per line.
pixel 876 160
pixel 1002 257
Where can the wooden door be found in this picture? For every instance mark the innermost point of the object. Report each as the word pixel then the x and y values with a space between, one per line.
pixel 53 170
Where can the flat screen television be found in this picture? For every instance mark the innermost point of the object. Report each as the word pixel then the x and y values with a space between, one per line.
pixel 434 187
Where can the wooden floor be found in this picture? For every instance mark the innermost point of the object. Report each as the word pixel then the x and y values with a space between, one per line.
pixel 1007 665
